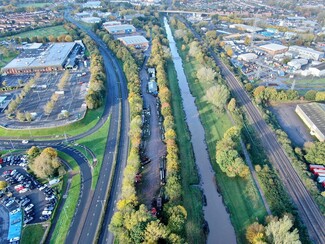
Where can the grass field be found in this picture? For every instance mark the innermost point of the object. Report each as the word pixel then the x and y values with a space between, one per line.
pixel 36 5
pixel 240 195
pixel 32 234
pixel 5 60
pixel 46 31
pixel 308 84
pixel 64 221
pixel 192 196
pixel 91 118
pixel 97 142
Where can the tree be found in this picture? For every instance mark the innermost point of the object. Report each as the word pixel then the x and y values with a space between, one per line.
pixel 205 74
pixel 46 164
pixel 177 219
pixel 3 185
pixel 229 51
pixel 310 95
pixel 315 153
pixel 247 41
pixel 155 231
pixel 255 233
pixel 232 105
pixel 218 96
pixel 20 116
pixel 33 152
pixel 320 96
pixel 48 108
pixel 279 231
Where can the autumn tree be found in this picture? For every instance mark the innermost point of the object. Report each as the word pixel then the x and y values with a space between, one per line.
pixel 255 233
pixel 155 231
pixel 33 152
pixel 46 164
pixel 218 96
pixel 3 185
pixel 205 74
pixel 232 105
pixel 310 95
pixel 315 153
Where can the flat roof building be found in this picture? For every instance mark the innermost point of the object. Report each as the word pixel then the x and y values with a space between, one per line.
pixel 313 115
pixel 120 29
pixel 134 41
pixel 48 57
pixel 273 48
pixel 91 20
pixel 306 52
pixel 318 70
pixel 112 23
pixel 247 57
pixel 92 4
pixel 246 28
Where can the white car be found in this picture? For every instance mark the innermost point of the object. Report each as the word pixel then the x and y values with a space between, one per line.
pixel 23 190
pixel 15 211
pixel 49 198
pixel 24 141
pixel 9 203
pixel 46 212
pixel 30 206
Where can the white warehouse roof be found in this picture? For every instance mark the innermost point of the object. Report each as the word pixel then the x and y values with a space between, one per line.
pixel 273 47
pixel 133 40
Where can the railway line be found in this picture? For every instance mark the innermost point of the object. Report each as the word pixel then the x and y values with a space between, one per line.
pixel 307 208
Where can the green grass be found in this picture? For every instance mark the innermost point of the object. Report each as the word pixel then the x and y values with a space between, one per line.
pixel 307 84
pixel 64 221
pixel 91 118
pixel 192 196
pixel 35 5
pixel 46 31
pixel 32 234
pixel 5 60
pixel 97 142
pixel 66 215
pixel 240 195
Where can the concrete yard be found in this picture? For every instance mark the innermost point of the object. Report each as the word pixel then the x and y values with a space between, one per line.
pixel 291 123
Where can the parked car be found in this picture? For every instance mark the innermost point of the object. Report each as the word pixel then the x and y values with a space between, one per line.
pixel 26 221
pixel 50 198
pixel 10 202
pixel 46 212
pixel 15 211
pixel 30 206
pixel 24 141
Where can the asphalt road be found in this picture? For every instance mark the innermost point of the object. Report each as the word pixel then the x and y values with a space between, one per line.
pixel 307 208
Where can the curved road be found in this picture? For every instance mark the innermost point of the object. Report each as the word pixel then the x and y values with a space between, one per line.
pixel 84 227
pixel 307 208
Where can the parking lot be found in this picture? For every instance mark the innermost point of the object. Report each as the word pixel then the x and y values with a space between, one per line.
pixel 71 99
pixel 291 123
pixel 25 192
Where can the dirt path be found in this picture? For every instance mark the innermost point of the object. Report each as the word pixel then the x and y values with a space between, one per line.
pixel 154 147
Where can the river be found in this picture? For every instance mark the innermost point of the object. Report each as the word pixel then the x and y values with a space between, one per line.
pixel 221 229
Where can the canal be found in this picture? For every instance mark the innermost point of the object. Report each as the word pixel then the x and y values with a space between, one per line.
pixel 221 229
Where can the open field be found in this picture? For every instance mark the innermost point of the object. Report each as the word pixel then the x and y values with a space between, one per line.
pixel 46 31
pixel 192 196
pixel 91 118
pixel 93 141
pixel 36 5
pixel 32 234
pixel 5 60
pixel 240 195
pixel 64 221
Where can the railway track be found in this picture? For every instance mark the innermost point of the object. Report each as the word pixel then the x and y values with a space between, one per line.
pixel 308 210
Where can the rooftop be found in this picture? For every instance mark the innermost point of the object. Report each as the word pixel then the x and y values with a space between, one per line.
pixel 320 66
pixel 47 55
pixel 119 27
pixel 306 49
pixel 273 47
pixel 133 40
pixel 316 113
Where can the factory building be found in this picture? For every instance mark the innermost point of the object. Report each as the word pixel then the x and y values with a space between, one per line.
pixel 308 53
pixel 112 23
pixel 318 70
pixel 120 29
pixel 247 57
pixel 273 48
pixel 45 58
pixel 135 41
pixel 313 115
pixel 92 4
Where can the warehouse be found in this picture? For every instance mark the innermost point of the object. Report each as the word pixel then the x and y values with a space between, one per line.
pixel 135 41
pixel 308 53
pixel 48 57
pixel 120 29
pixel 318 70
pixel 274 49
pixel 91 20
pixel 313 115
pixel 247 57
pixel 112 23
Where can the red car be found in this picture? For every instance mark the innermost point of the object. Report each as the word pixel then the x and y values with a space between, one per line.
pixel 7 172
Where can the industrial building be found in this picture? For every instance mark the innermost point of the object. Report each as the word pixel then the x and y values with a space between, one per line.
pixel 247 57
pixel 92 4
pixel 135 41
pixel 308 53
pixel 273 48
pixel 318 70
pixel 112 23
pixel 313 115
pixel 47 57
pixel 91 20
pixel 120 29
pixel 246 28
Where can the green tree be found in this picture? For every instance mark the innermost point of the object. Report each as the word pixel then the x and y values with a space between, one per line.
pixel 232 105
pixel 279 231
pixel 33 152
pixel 205 74
pixel 218 96
pixel 320 96
pixel 155 231
pixel 316 153
pixel 310 95
pixel 20 116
